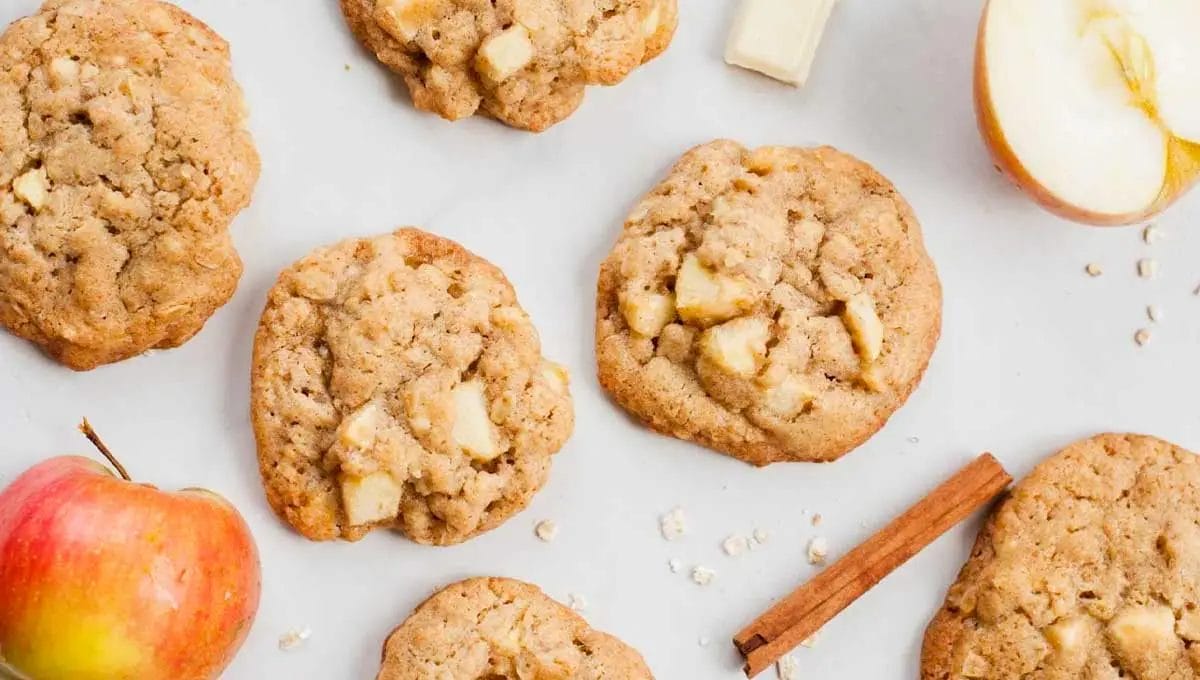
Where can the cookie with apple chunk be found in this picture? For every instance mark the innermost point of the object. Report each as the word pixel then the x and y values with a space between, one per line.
pixel 503 629
pixel 1088 570
pixel 525 63
pixel 774 304
pixel 397 383
pixel 124 157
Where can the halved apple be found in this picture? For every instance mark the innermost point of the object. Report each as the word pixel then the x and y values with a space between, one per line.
pixel 1092 106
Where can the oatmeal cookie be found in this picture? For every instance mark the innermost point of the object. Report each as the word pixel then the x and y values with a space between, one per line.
pixel 773 304
pixel 1089 569
pixel 503 629
pixel 397 383
pixel 522 62
pixel 124 156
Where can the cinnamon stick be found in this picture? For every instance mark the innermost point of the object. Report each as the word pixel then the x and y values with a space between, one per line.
pixel 808 608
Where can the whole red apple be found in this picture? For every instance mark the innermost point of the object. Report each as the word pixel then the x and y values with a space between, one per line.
pixel 105 579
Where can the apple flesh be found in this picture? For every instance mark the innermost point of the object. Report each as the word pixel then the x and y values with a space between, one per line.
pixel 1092 106
pixel 102 578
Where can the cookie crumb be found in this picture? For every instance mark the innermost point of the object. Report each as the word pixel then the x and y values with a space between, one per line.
pixel 702 641
pixel 294 638
pixel 761 536
pixel 675 565
pixel 673 525
pixel 576 602
pixel 703 575
pixel 817 519
pixel 1154 312
pixel 811 640
pixel 735 545
pixel 546 530
pixel 1093 269
pixel 786 667
pixel 1141 337
pixel 1147 268
pixel 1150 234
pixel 818 550
pixel 347 66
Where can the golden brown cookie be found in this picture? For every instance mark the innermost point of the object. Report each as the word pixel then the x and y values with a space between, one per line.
pixel 501 629
pixel 398 383
pixel 523 62
pixel 1089 569
pixel 124 157
pixel 773 304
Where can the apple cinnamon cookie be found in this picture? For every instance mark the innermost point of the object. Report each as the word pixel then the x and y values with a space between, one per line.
pixel 523 62
pixel 773 304
pixel 124 156
pixel 398 383
pixel 503 629
pixel 1087 570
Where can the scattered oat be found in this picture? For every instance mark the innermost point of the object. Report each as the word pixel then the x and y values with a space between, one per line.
pixel 787 669
pixel 546 530
pixel 673 524
pixel 735 545
pixel 816 520
pixel 703 575
pixel 576 602
pixel 703 641
pixel 1147 268
pixel 761 536
pixel 811 640
pixel 1141 337
pixel 1155 313
pixel 293 639
pixel 1093 269
pixel 818 549
pixel 1150 234
pixel 675 565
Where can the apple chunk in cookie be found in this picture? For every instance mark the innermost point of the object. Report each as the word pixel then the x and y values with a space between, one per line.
pixel 398 383
pixel 1091 106
pixel 774 304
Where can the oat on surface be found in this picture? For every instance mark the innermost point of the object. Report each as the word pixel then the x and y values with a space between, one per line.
pixel 546 530
pixel 673 525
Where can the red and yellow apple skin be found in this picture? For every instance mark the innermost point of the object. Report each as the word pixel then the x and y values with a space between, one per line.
pixel 105 579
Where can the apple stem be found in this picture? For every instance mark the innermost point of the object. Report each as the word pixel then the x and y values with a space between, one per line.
pixel 86 428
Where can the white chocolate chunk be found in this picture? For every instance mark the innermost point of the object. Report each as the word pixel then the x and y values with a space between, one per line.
pixel 472 425
pixel 789 397
pixel 706 297
pixel 556 375
pixel 647 313
pixel 64 71
pixel 1068 635
pixel 653 19
pixel 362 427
pixel 1142 632
pixel 738 346
pixel 403 18
pixel 505 53
pixel 32 188
pixel 373 498
pixel 778 38
pixel 866 330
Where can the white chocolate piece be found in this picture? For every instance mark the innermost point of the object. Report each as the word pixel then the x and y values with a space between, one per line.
pixel 778 38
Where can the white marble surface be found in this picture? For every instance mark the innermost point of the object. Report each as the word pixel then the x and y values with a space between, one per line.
pixel 1034 353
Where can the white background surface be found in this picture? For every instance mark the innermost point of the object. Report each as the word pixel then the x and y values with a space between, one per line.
pixel 1033 355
